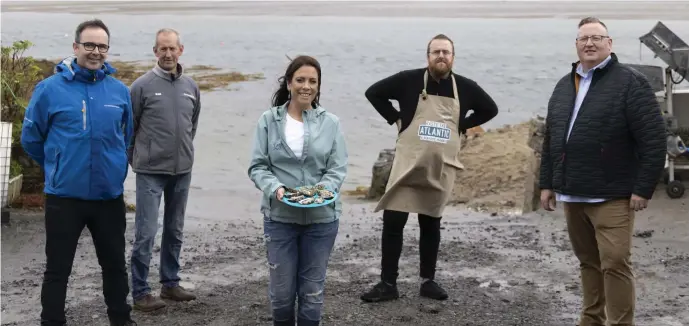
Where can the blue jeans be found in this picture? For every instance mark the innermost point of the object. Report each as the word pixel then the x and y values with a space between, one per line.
pixel 149 189
pixel 298 258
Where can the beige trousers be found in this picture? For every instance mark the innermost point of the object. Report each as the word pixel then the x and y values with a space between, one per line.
pixel 601 236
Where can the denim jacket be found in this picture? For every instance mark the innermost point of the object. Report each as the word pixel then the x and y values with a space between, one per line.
pixel 273 165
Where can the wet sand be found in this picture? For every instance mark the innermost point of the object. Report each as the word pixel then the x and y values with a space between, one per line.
pixel 665 10
pixel 498 270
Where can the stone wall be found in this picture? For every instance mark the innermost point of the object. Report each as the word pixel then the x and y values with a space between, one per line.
pixel 381 173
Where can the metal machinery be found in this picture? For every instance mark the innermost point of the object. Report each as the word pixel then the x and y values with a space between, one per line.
pixel 675 53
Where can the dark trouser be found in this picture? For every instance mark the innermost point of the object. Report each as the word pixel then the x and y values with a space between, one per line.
pixel 65 219
pixel 429 242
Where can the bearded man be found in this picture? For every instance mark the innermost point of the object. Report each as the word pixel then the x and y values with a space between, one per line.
pixel 431 118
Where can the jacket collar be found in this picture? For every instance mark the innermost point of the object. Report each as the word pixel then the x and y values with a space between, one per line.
pixel 613 61
pixel 162 73
pixel 69 69
pixel 279 112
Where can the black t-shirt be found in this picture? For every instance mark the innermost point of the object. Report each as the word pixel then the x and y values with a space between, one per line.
pixel 406 86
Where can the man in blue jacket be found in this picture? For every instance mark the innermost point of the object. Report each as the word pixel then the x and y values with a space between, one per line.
pixel 77 126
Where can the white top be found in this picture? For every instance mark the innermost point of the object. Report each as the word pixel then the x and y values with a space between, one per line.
pixel 584 83
pixel 294 134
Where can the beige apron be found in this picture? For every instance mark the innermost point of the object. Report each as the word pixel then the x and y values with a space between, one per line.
pixel 426 157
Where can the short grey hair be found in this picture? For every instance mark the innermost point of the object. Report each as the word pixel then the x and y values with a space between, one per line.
pixel 167 30
pixel 592 20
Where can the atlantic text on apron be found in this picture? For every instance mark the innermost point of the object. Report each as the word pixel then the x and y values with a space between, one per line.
pixel 426 157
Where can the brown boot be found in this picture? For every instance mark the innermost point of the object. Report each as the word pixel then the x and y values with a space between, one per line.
pixel 148 303
pixel 176 293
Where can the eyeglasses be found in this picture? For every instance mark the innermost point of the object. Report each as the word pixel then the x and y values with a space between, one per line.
pixel 594 39
pixel 437 53
pixel 90 46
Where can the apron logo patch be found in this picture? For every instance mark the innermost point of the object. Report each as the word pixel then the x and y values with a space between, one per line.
pixel 435 132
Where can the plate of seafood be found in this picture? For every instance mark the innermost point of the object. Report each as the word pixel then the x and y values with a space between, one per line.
pixel 309 196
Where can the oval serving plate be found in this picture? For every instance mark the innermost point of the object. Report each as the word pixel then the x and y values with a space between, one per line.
pixel 312 205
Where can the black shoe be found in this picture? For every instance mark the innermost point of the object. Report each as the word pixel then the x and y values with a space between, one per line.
pixel 52 323
pixel 431 289
pixel 128 322
pixel 381 292
pixel 283 323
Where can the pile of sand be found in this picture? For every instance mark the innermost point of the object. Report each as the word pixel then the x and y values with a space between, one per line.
pixel 501 168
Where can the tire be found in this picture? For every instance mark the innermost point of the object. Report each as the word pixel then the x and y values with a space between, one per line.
pixel 666 177
pixel 675 189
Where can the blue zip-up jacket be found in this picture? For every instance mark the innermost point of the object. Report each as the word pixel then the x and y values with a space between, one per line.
pixel 77 126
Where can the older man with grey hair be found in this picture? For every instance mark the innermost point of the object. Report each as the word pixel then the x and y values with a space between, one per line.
pixel 166 105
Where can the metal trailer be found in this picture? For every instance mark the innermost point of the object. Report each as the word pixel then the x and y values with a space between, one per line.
pixel 677 157
pixel 674 103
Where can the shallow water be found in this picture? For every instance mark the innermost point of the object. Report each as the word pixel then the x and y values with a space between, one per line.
pixel 517 61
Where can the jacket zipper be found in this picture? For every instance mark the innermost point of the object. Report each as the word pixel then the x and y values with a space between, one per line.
pixel 283 140
pixel 176 129
pixel 305 117
pixel 83 112
pixel 567 131
pixel 571 115
pixel 84 118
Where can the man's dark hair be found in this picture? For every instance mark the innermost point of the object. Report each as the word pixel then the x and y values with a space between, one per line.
pixel 592 20
pixel 440 37
pixel 93 23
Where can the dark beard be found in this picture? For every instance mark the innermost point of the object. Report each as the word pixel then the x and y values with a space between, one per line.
pixel 439 73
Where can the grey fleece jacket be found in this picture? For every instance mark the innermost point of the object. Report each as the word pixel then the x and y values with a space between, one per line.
pixel 166 112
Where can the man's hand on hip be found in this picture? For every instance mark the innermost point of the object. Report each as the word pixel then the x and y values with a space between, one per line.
pixel 638 203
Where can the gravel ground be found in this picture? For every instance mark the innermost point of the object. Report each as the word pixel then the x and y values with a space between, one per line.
pixel 498 270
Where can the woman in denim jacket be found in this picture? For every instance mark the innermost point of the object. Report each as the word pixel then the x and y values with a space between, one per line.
pixel 298 143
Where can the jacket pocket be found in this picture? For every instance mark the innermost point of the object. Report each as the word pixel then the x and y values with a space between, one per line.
pixel 142 148
pixel 148 151
pixel 53 173
pixel 616 164
pixel 186 152
pixel 604 165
